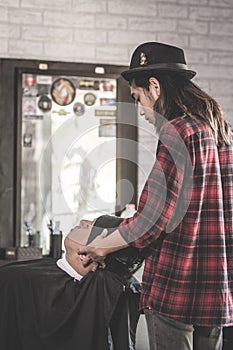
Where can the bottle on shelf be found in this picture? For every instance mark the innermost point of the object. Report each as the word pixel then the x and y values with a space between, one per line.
pixel 55 240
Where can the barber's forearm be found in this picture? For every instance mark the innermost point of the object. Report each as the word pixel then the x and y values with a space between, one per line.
pixel 111 243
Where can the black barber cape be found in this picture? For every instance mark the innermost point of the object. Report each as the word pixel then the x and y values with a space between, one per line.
pixel 43 308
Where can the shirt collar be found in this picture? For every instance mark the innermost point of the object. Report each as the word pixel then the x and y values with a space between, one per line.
pixel 65 266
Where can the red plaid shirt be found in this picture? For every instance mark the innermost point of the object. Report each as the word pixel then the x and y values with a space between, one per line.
pixel 185 217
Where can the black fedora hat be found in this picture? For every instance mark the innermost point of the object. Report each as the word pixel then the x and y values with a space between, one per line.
pixel 154 57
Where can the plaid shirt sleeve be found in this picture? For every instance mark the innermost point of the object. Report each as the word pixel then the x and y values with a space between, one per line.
pixel 162 192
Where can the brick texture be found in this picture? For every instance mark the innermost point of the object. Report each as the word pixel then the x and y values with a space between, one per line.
pixel 37 33
pixel 130 7
pixel 110 22
pixel 4 13
pixel 11 3
pixel 69 19
pixel 9 31
pixel 119 37
pixel 4 48
pixel 26 16
pixel 152 24
pixel 172 11
pixel 45 4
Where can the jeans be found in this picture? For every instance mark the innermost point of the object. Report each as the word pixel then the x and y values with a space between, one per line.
pixel 169 334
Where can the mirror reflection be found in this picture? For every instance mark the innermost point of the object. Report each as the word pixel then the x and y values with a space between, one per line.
pixel 68 153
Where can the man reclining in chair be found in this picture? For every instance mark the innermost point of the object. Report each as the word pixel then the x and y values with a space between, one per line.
pixel 43 308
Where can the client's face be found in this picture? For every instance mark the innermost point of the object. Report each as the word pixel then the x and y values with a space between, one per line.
pixel 72 256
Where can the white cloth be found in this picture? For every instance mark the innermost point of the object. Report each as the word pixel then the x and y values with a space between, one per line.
pixel 65 266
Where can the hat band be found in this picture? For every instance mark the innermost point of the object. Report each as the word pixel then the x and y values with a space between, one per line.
pixel 171 66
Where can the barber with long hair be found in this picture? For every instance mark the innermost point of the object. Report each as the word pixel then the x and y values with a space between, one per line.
pixel 185 211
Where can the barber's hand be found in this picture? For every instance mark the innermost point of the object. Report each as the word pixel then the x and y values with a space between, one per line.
pixel 101 246
pixel 92 254
pixel 87 262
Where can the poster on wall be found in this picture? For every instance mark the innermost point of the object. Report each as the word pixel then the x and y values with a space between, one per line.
pixel 63 91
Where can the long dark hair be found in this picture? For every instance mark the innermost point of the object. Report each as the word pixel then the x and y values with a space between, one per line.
pixel 180 96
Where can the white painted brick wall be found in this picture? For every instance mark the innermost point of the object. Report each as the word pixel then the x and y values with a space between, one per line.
pixel 69 52
pixel 37 33
pixel 25 48
pixel 45 4
pixel 4 47
pixel 90 36
pixel 4 13
pixel 152 24
pixel 107 31
pixel 221 57
pixel 219 28
pixel 174 38
pixel 24 16
pixel 111 53
pixel 132 7
pixel 209 42
pixel 9 31
pixel 212 14
pixel 89 6
pixel 120 37
pixel 12 3
pixel 110 22
pixel 172 11
pixel 69 19
pixel 187 26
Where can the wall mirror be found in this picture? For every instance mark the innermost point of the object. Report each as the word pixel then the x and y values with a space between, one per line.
pixel 69 159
